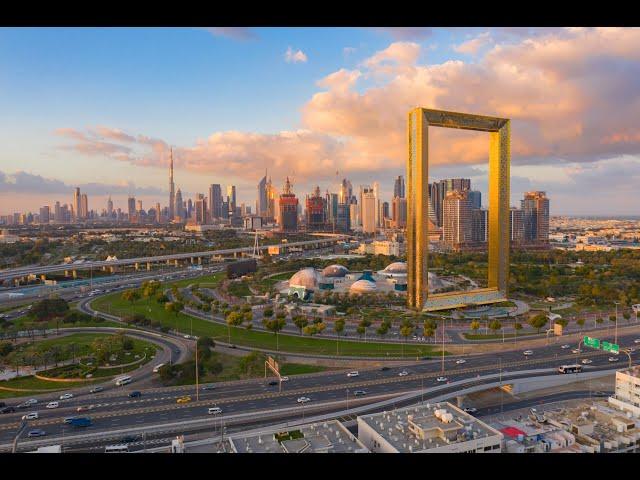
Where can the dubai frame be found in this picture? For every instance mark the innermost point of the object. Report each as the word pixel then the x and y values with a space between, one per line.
pixel 420 119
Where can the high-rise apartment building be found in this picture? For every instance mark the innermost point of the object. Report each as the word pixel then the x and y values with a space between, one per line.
pixel 368 211
pixel 158 213
pixel 201 209
pixel 315 211
pixel 288 208
pixel 343 218
pixel 535 209
pixel 438 191
pixel 57 213
pixel 131 208
pixel 172 195
pixel 44 215
pixel 84 206
pixel 179 207
pixel 231 198
pixel 109 207
pixel 457 227
pixel 398 187
pixel 479 224
pixel 399 212
pixel 76 204
pixel 262 201
pixel 475 197
pixel 215 200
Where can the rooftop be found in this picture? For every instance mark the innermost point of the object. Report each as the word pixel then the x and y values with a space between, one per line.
pixel 325 437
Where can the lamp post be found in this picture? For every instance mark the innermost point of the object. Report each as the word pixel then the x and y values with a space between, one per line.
pixel 616 334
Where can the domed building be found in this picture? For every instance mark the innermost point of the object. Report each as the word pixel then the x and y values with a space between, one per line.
pixel 395 269
pixel 363 286
pixel 335 271
pixel 303 283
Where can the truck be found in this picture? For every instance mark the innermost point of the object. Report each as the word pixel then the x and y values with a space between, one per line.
pixel 80 422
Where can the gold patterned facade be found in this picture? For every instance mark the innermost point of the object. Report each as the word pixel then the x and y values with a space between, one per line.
pixel 419 121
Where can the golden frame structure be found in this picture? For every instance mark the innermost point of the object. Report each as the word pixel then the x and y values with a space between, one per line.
pixel 419 121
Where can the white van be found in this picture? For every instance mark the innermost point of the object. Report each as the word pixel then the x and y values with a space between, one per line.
pixel 53 405
pixel 214 411
pixel 157 368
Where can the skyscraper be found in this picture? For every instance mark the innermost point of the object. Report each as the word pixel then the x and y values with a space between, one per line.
pixel 475 197
pixel 516 225
pixel 131 208
pixel 399 212
pixel 57 213
pixel 315 211
pixel 368 211
pixel 288 207
pixel 201 209
pixel 231 194
pixel 44 215
pixel 84 206
pixel 76 203
pixel 479 224
pixel 262 202
pixel 398 187
pixel 109 207
pixel 179 206
pixel 158 213
pixel 535 209
pixel 215 200
pixel 172 195
pixel 457 228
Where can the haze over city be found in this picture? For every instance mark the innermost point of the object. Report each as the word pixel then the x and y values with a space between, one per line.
pixel 99 109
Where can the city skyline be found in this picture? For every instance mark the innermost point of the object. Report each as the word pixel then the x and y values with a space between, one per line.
pixel 118 143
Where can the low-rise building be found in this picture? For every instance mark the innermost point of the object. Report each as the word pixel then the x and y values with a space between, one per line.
pixel 324 437
pixel 627 393
pixel 431 428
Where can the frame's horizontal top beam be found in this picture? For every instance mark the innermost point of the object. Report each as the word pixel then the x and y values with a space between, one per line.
pixel 464 121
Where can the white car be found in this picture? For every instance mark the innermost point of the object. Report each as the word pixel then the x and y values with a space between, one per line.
pixel 470 410
pixel 461 361
pixel 441 379
pixel 66 396
pixel 564 347
pixel 576 350
pixel 403 373
pixel 30 416
pixel 613 359
pixel 303 399
pixel 527 352
pixel 637 340
pixel 53 405
pixel 353 374
pixel 31 401
pixel 284 379
pixel 214 411
pixel 586 361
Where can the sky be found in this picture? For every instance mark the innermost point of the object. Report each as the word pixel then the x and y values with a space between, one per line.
pixel 99 108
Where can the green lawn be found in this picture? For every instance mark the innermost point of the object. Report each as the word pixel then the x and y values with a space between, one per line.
pixel 213 279
pixel 21 322
pixel 114 304
pixel 239 289
pixel 299 368
pixel 33 383
pixel 494 336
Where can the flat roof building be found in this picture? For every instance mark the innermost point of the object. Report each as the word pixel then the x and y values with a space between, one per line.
pixel 430 428
pixel 627 394
pixel 325 437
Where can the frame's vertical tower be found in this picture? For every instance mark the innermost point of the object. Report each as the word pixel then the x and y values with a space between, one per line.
pixel 417 209
pixel 499 194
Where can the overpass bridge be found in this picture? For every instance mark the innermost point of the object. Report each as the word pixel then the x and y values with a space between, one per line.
pixel 193 257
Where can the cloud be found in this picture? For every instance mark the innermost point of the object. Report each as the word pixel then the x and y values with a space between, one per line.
pixel 23 182
pixel 346 51
pixel 472 46
pixel 235 33
pixel 294 57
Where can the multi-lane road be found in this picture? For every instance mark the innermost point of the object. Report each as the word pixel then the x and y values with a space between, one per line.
pixel 114 410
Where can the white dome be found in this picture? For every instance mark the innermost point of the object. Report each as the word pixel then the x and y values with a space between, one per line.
pixel 307 278
pixel 335 271
pixel 396 267
pixel 363 286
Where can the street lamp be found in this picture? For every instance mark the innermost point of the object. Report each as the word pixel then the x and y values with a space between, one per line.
pixel 616 334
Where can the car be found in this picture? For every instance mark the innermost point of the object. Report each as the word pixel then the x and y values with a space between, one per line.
pixel 85 408
pixel 233 346
pixel 31 401
pixel 30 416
pixel 600 394
pixel 460 361
pixel 52 405
pixel 208 387
pixel 564 347
pixel 470 410
pixel 185 399
pixel 273 383
pixel 8 410
pixel 586 361
pixel 303 399
pixel 353 374
pixel 384 369
pixel 36 433
pixel 576 350
pixel 441 379
pixel 68 420
pixel 214 411
pixel 135 394
pixel 96 389
pixel 359 393
pixel 613 359
pixel 66 396
pixel 637 340
pixel 403 373
pixel 527 352
pixel 284 379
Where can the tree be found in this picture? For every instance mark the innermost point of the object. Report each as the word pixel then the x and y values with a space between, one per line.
pixel 538 321
pixel 268 312
pixel 495 325
pixel 361 330
pixel 338 327
pixel 626 316
pixel 300 321
pixel 310 330
pixel 275 325
pixel 563 322
pixel 580 322
pixel 475 326
pixel 49 308
pixel 131 295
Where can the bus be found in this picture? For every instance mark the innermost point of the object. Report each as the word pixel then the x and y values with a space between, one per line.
pixel 116 449
pixel 570 369
pixel 157 368
pixel 123 381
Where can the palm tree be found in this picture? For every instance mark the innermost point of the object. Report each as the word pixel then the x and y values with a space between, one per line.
pixel 338 327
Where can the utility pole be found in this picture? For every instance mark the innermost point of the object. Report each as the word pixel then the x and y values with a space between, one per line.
pixel 616 334
pixel 197 387
pixel 443 324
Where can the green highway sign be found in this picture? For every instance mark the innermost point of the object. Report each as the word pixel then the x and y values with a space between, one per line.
pixel 610 347
pixel 591 342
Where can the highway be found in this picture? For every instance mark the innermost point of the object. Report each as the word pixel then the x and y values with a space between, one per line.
pixel 9 274
pixel 115 410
